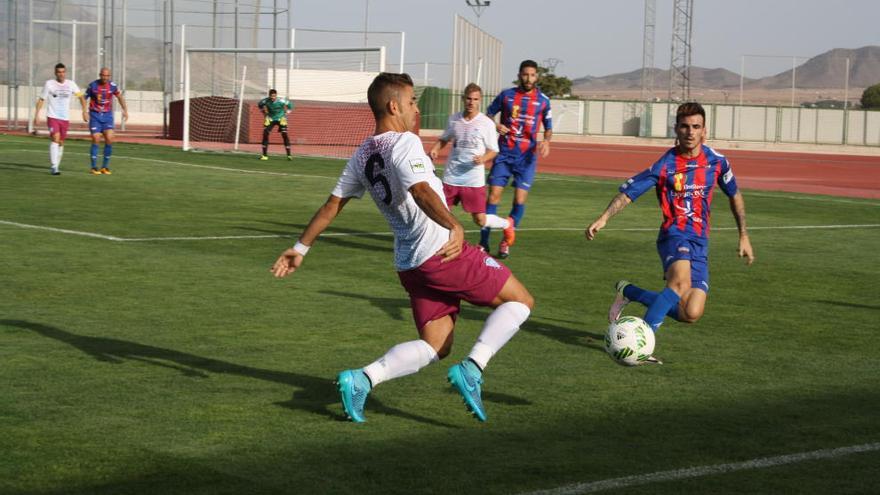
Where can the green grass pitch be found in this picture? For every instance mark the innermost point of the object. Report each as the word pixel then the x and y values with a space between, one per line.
pixel 137 361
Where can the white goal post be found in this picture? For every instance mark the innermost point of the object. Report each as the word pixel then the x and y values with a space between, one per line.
pixel 332 75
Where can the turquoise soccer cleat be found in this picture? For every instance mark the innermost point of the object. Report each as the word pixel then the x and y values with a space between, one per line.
pixel 466 377
pixel 354 386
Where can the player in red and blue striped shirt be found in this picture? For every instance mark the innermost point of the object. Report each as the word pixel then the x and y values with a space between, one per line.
pixel 100 93
pixel 523 109
pixel 684 179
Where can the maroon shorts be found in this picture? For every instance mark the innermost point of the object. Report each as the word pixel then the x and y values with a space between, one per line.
pixel 436 289
pixel 472 199
pixel 58 126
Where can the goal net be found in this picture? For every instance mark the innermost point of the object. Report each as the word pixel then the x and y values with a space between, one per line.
pixel 328 88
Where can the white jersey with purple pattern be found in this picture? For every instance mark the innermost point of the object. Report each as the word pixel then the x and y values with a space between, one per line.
pixel 387 165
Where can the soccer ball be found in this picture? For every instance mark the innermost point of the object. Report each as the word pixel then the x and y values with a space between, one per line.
pixel 629 341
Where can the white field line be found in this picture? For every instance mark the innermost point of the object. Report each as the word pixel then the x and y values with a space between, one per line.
pixel 195 165
pixel 387 233
pixel 699 471
pixel 554 177
pixel 62 231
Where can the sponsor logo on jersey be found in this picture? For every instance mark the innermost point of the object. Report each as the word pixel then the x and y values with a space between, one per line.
pixel 728 176
pixel 678 183
pixel 417 166
pixel 514 112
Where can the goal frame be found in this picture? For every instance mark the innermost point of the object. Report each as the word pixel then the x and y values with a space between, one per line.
pixel 186 146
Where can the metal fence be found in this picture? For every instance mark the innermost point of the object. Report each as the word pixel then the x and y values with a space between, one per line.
pixel 656 120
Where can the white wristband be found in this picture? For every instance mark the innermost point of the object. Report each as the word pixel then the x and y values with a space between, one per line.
pixel 301 248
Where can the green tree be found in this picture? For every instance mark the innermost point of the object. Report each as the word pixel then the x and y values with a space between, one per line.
pixel 871 98
pixel 552 85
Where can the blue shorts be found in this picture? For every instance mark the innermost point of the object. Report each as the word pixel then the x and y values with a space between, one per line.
pixel 521 166
pixel 672 249
pixel 100 121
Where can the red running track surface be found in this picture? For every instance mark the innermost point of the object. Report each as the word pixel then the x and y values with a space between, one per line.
pixel 812 173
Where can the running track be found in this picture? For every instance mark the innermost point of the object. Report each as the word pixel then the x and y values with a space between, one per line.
pixel 855 176
pixel 813 173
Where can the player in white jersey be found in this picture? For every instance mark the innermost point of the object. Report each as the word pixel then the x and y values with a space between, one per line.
pixel 436 267
pixel 474 144
pixel 57 93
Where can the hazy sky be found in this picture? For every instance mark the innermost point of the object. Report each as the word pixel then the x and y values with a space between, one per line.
pixel 601 37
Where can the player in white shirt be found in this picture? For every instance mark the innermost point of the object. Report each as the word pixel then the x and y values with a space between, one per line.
pixel 436 267
pixel 474 144
pixel 57 93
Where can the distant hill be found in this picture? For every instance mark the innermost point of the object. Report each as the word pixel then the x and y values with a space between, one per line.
pixel 819 72
pixel 827 70
pixel 700 77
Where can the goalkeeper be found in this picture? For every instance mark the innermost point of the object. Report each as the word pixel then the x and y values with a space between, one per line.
pixel 275 110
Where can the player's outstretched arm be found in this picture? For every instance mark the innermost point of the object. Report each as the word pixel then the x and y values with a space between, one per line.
pixel 124 106
pixel 435 150
pixel 37 113
pixel 744 248
pixel 85 107
pixel 485 158
pixel 544 146
pixel 430 203
pixel 617 204
pixel 292 258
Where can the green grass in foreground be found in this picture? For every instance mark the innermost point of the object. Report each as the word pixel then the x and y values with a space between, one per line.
pixel 182 366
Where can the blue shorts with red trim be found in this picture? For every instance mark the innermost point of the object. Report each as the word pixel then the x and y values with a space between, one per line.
pixel 522 166
pixel 100 121
pixel 672 249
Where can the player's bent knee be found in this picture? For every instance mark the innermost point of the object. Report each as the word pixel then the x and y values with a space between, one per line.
pixel 681 287
pixel 689 318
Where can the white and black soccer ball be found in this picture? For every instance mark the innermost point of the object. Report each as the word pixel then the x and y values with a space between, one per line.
pixel 629 341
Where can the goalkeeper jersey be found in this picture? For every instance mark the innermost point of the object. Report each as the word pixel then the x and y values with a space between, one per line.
pixel 276 109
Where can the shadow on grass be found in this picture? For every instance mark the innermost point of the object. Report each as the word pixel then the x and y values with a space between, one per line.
pixel 399 309
pixel 315 394
pixel 331 236
pixel 19 166
pixel 848 304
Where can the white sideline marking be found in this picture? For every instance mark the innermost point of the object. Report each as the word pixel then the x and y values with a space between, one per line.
pixel 698 471
pixel 62 231
pixel 195 165
pixel 387 233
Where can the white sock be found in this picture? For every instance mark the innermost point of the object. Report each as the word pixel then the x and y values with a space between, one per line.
pixel 60 153
pixel 54 154
pixel 496 222
pixel 500 326
pixel 401 360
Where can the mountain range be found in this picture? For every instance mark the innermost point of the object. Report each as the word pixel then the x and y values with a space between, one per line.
pixel 825 71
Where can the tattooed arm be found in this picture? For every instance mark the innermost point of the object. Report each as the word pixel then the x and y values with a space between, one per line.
pixel 617 204
pixel 738 207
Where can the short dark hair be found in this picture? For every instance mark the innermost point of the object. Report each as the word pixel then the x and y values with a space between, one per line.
pixel 688 109
pixel 59 65
pixel 472 87
pixel 384 88
pixel 272 92
pixel 528 63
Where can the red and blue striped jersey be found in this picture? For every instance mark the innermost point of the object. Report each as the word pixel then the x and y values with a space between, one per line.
pixel 101 95
pixel 521 112
pixel 684 188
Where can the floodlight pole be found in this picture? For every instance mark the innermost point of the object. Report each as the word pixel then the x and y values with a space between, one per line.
pixel 478 7
pixel 366 24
